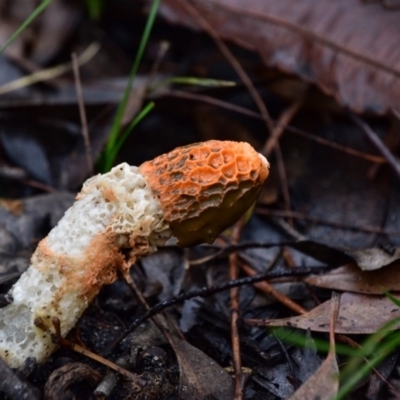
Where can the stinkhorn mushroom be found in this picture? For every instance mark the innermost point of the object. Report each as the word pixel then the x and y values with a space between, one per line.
pixel 192 193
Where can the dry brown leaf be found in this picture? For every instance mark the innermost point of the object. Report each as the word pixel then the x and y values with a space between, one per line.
pixel 200 376
pixel 348 48
pixel 324 384
pixel 359 314
pixel 350 278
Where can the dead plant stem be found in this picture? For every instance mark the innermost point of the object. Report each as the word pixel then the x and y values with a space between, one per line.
pixel 82 113
pixel 235 312
pixel 284 119
pixel 377 142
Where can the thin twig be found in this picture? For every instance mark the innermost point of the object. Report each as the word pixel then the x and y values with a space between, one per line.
pixel 235 311
pixel 392 142
pixel 49 73
pixel 336 146
pixel 283 180
pixel 377 142
pixel 269 289
pixel 284 119
pixel 20 175
pixel 289 128
pixel 206 26
pixel 82 113
pixel 162 51
pixel 39 185
pixel 155 319
pixel 335 308
pixel 288 257
pixel 209 291
pixel 322 221
pixel 58 339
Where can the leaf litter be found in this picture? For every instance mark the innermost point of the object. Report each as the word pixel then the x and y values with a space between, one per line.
pixel 332 44
pixel 324 383
pixel 360 197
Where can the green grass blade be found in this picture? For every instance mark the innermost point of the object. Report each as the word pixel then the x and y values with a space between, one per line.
pixel 395 300
pixel 95 8
pixel 208 82
pixel 37 11
pixel 363 360
pixel 122 106
pixel 360 373
pixel 117 147
pixel 298 339
pixel 376 348
pixel 193 80
pixel 369 347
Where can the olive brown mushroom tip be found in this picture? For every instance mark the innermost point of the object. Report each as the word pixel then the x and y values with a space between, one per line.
pixel 192 193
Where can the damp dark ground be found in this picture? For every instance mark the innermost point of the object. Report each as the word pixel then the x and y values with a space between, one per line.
pixel 323 207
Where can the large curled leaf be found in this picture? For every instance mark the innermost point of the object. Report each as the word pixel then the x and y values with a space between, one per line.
pixel 348 48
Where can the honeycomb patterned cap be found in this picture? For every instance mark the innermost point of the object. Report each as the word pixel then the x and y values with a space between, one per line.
pixel 205 187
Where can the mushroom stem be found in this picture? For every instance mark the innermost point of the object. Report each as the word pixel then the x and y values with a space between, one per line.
pixel 115 220
pixel 119 217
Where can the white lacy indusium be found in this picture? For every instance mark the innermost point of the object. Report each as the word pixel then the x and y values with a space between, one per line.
pixel 114 211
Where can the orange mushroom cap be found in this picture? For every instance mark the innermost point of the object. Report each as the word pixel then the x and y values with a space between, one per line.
pixel 205 187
